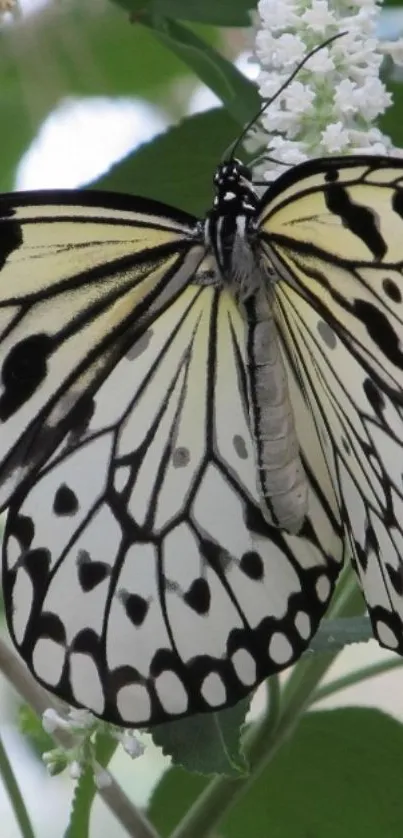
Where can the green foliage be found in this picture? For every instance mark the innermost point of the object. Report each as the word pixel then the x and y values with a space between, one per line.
pixel 221 13
pixel 391 122
pixel 176 167
pixel 337 776
pixel 208 744
pixel 86 788
pixel 31 726
pixel 237 93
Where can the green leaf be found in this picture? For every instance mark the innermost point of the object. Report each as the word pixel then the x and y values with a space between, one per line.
pixel 208 743
pixel 31 726
pixel 74 48
pixel 391 122
pixel 173 797
pixel 336 634
pixel 13 792
pixel 221 13
pixel 177 167
pixel 337 777
pixel 86 789
pixel 237 93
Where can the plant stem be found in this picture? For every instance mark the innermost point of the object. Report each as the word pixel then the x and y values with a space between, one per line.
pixel 12 788
pixel 125 812
pixel 371 671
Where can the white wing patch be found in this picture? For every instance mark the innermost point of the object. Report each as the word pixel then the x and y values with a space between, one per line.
pixel 149 584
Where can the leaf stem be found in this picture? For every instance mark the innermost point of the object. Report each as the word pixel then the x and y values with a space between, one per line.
pixel 352 678
pixel 14 794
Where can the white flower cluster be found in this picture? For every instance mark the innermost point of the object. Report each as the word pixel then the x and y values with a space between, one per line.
pixel 83 726
pixel 329 108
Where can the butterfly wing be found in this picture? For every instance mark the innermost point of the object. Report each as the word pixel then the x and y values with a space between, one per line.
pixel 75 280
pixel 140 577
pixel 333 229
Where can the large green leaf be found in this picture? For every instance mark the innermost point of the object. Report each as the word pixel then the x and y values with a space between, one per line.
pixel 221 13
pixel 236 92
pixel 339 776
pixel 177 167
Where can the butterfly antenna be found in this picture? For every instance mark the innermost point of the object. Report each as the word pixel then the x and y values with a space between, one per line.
pixel 232 148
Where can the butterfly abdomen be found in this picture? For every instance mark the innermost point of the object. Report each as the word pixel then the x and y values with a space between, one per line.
pixel 281 479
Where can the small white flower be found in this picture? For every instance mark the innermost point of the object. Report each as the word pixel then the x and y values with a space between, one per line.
pixel 394 49
pixel 51 720
pixel 298 97
pixel 102 778
pixel 133 747
pixel 269 86
pixel 81 718
pixel 287 50
pixel 372 98
pixel 75 770
pixel 335 138
pixel 321 62
pixel 277 15
pixel 319 16
pixel 345 98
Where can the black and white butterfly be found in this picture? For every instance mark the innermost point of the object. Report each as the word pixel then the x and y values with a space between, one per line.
pixel 199 421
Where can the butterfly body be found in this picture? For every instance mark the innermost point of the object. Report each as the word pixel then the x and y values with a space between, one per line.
pixel 196 384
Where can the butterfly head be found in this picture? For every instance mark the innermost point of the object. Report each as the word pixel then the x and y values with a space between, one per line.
pixel 235 194
pixel 230 226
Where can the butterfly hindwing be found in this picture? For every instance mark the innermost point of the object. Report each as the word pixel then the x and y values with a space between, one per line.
pixel 335 231
pixel 141 579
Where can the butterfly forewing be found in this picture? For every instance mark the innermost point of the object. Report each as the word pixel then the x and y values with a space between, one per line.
pixel 180 596
pixel 335 234
pixel 76 280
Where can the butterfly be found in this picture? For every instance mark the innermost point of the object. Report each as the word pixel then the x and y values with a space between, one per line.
pixel 200 421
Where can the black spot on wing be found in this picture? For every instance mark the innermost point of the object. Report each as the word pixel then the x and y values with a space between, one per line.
pixel 358 219
pixel 65 501
pixel 22 528
pixel 37 564
pixel 80 417
pixel 252 565
pixel 380 330
pixel 136 608
pixel 198 596
pixel 392 290
pixel 24 369
pixel 90 573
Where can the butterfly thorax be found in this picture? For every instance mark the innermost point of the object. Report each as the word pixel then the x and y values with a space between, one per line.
pixel 230 229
